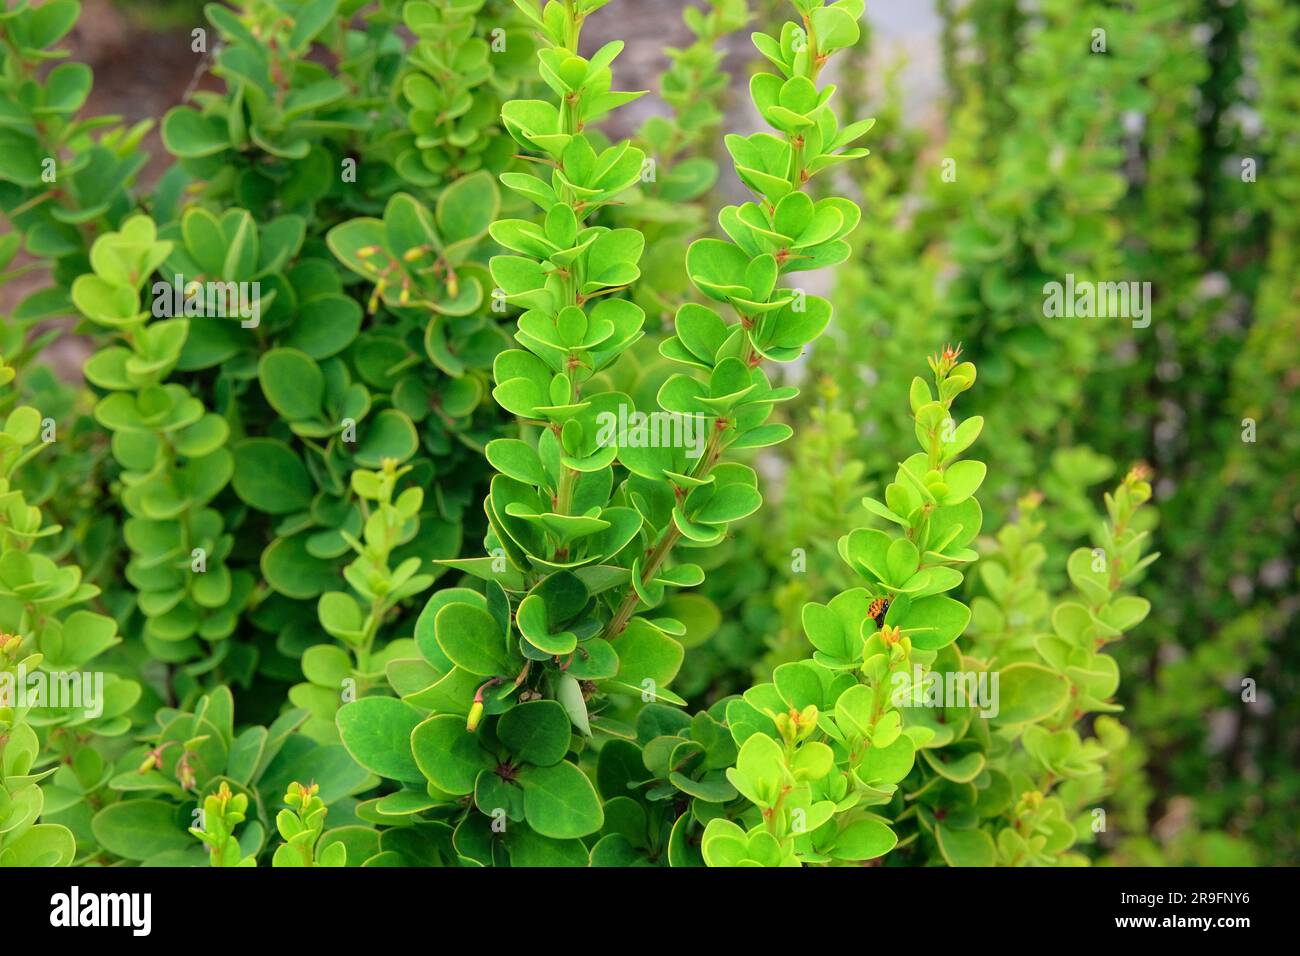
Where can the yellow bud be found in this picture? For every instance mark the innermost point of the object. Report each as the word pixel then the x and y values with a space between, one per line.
pixel 475 715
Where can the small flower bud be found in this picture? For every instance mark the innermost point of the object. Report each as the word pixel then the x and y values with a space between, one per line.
pixel 786 726
pixel 475 715
pixel 9 644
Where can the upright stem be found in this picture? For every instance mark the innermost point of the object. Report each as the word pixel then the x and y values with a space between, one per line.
pixel 671 535
pixel 570 123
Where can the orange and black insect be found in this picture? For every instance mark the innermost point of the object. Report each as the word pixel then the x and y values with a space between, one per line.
pixel 878 609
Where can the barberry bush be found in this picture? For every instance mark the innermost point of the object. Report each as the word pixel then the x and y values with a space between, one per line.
pixel 466 464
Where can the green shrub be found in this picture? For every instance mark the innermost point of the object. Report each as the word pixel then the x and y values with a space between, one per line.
pixel 397 264
pixel 548 655
pixel 44 634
